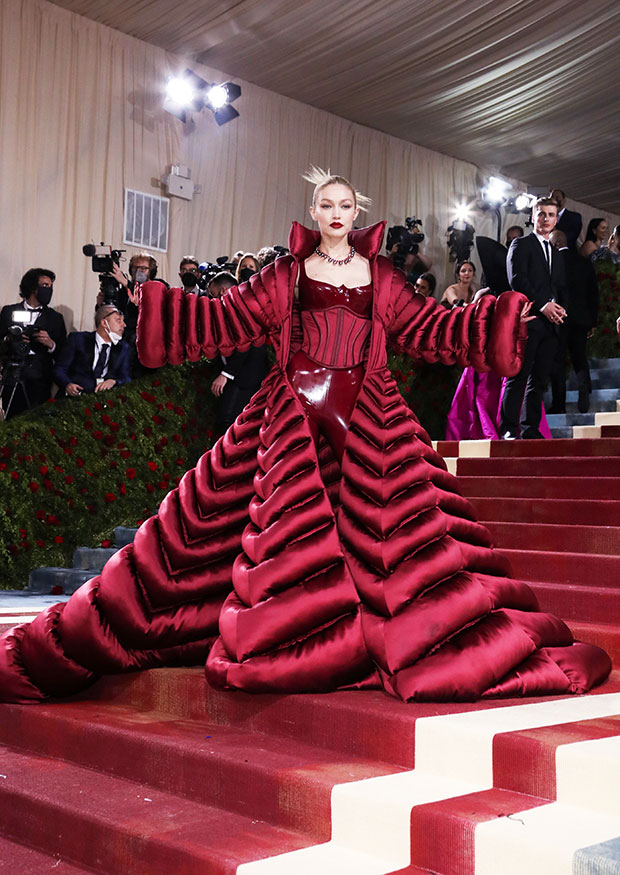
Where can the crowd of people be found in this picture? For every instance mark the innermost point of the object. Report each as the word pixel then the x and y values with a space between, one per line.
pixel 37 354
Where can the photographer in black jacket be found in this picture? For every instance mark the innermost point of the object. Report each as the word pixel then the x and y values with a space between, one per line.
pixel 31 335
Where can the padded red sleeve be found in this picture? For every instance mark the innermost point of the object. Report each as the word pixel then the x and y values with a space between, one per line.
pixel 174 326
pixel 488 335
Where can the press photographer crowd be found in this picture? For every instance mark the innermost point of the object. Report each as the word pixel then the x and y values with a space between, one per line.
pixel 39 359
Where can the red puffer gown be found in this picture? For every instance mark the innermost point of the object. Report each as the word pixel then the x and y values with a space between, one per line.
pixel 318 575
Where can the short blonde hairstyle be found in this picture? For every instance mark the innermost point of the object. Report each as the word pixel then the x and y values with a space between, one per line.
pixel 320 178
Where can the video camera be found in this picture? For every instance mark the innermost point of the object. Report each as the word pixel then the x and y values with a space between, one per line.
pixel 210 269
pixel 103 259
pixel 406 238
pixel 23 325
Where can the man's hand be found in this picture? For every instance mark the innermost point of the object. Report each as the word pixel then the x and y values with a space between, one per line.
pixel 105 385
pixel 554 312
pixel 134 296
pixel 217 386
pixel 73 389
pixel 119 276
pixel 480 294
pixel 43 337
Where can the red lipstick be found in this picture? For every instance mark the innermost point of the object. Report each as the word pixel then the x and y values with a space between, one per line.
pixel 336 225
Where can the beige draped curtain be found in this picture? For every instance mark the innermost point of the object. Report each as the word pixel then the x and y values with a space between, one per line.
pixel 81 119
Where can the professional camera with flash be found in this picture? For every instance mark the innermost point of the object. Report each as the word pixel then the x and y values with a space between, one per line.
pixel 407 238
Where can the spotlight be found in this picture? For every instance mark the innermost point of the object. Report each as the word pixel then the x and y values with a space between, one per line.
pixel 524 201
pixel 496 191
pixel 462 214
pixel 190 92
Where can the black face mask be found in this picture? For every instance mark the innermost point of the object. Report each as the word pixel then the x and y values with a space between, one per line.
pixel 245 273
pixel 44 295
pixel 189 279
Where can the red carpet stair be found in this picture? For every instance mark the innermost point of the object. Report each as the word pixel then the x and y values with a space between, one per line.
pixel 156 773
pixel 554 509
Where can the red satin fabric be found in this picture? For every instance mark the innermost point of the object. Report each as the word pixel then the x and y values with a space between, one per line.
pixel 323 570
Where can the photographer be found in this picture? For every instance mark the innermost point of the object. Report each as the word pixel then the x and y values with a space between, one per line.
pixel 95 361
pixel 403 249
pixel 190 276
pixel 31 334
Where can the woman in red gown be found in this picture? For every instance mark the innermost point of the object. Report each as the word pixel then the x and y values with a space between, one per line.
pixel 321 544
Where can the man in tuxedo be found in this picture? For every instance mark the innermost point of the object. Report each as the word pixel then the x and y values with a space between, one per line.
pixel 535 268
pixel 95 361
pixel 569 221
pixel 32 333
pixel 581 303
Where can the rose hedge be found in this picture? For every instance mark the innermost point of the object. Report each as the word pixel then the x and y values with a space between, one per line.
pixel 604 343
pixel 72 470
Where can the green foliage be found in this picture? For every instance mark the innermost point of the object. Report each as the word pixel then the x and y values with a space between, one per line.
pixel 71 470
pixel 604 343
pixel 427 389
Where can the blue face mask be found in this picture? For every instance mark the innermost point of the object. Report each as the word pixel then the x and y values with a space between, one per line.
pixel 44 295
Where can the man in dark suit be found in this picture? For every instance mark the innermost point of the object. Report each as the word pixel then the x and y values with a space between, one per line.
pixel 581 303
pixel 28 354
pixel 535 268
pixel 95 361
pixel 569 221
pixel 242 372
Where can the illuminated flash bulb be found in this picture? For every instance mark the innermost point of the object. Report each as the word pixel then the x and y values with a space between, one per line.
pixel 496 190
pixel 523 201
pixel 180 91
pixel 461 217
pixel 217 96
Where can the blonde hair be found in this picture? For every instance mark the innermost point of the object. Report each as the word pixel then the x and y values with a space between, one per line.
pixel 320 178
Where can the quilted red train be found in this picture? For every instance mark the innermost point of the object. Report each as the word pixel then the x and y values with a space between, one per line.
pixel 317 576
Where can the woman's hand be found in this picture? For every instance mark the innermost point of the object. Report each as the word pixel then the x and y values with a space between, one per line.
pixel 524 316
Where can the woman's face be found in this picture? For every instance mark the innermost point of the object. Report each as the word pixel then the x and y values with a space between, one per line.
pixel 422 287
pixel 334 210
pixel 602 230
pixel 248 261
pixel 466 273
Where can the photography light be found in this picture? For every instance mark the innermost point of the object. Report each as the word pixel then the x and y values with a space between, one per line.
pixel 189 92
pixel 496 191
pixel 524 201
pixel 462 214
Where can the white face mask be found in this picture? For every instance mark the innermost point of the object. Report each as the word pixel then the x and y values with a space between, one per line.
pixel 114 337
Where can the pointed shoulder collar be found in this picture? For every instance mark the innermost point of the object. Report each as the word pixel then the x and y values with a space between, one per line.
pixel 302 241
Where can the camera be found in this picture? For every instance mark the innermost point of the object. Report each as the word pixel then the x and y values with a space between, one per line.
pixel 460 236
pixel 103 258
pixel 406 238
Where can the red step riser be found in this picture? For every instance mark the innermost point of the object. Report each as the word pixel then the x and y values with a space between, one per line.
pixel 598 540
pixel 605 488
pixel 550 511
pixel 535 752
pixel 210 767
pixel 579 603
pixel 602 634
pixel 579 569
pixel 606 445
pixel 606 466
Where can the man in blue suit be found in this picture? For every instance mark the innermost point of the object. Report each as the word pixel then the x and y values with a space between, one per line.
pixel 95 361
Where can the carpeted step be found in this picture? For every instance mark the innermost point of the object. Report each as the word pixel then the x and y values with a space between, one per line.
pixel 604 635
pixel 285 782
pixel 119 826
pixel 599 859
pixel 566 568
pixel 583 601
pixel 603 540
pixel 569 448
pixel 532 466
pixel 572 512
pixel 541 487
pixel 16 859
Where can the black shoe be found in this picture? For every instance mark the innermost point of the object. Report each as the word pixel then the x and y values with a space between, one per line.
pixel 509 436
pixel 583 401
pixel 553 409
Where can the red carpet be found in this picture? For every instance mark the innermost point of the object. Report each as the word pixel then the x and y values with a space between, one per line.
pixel 157 773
